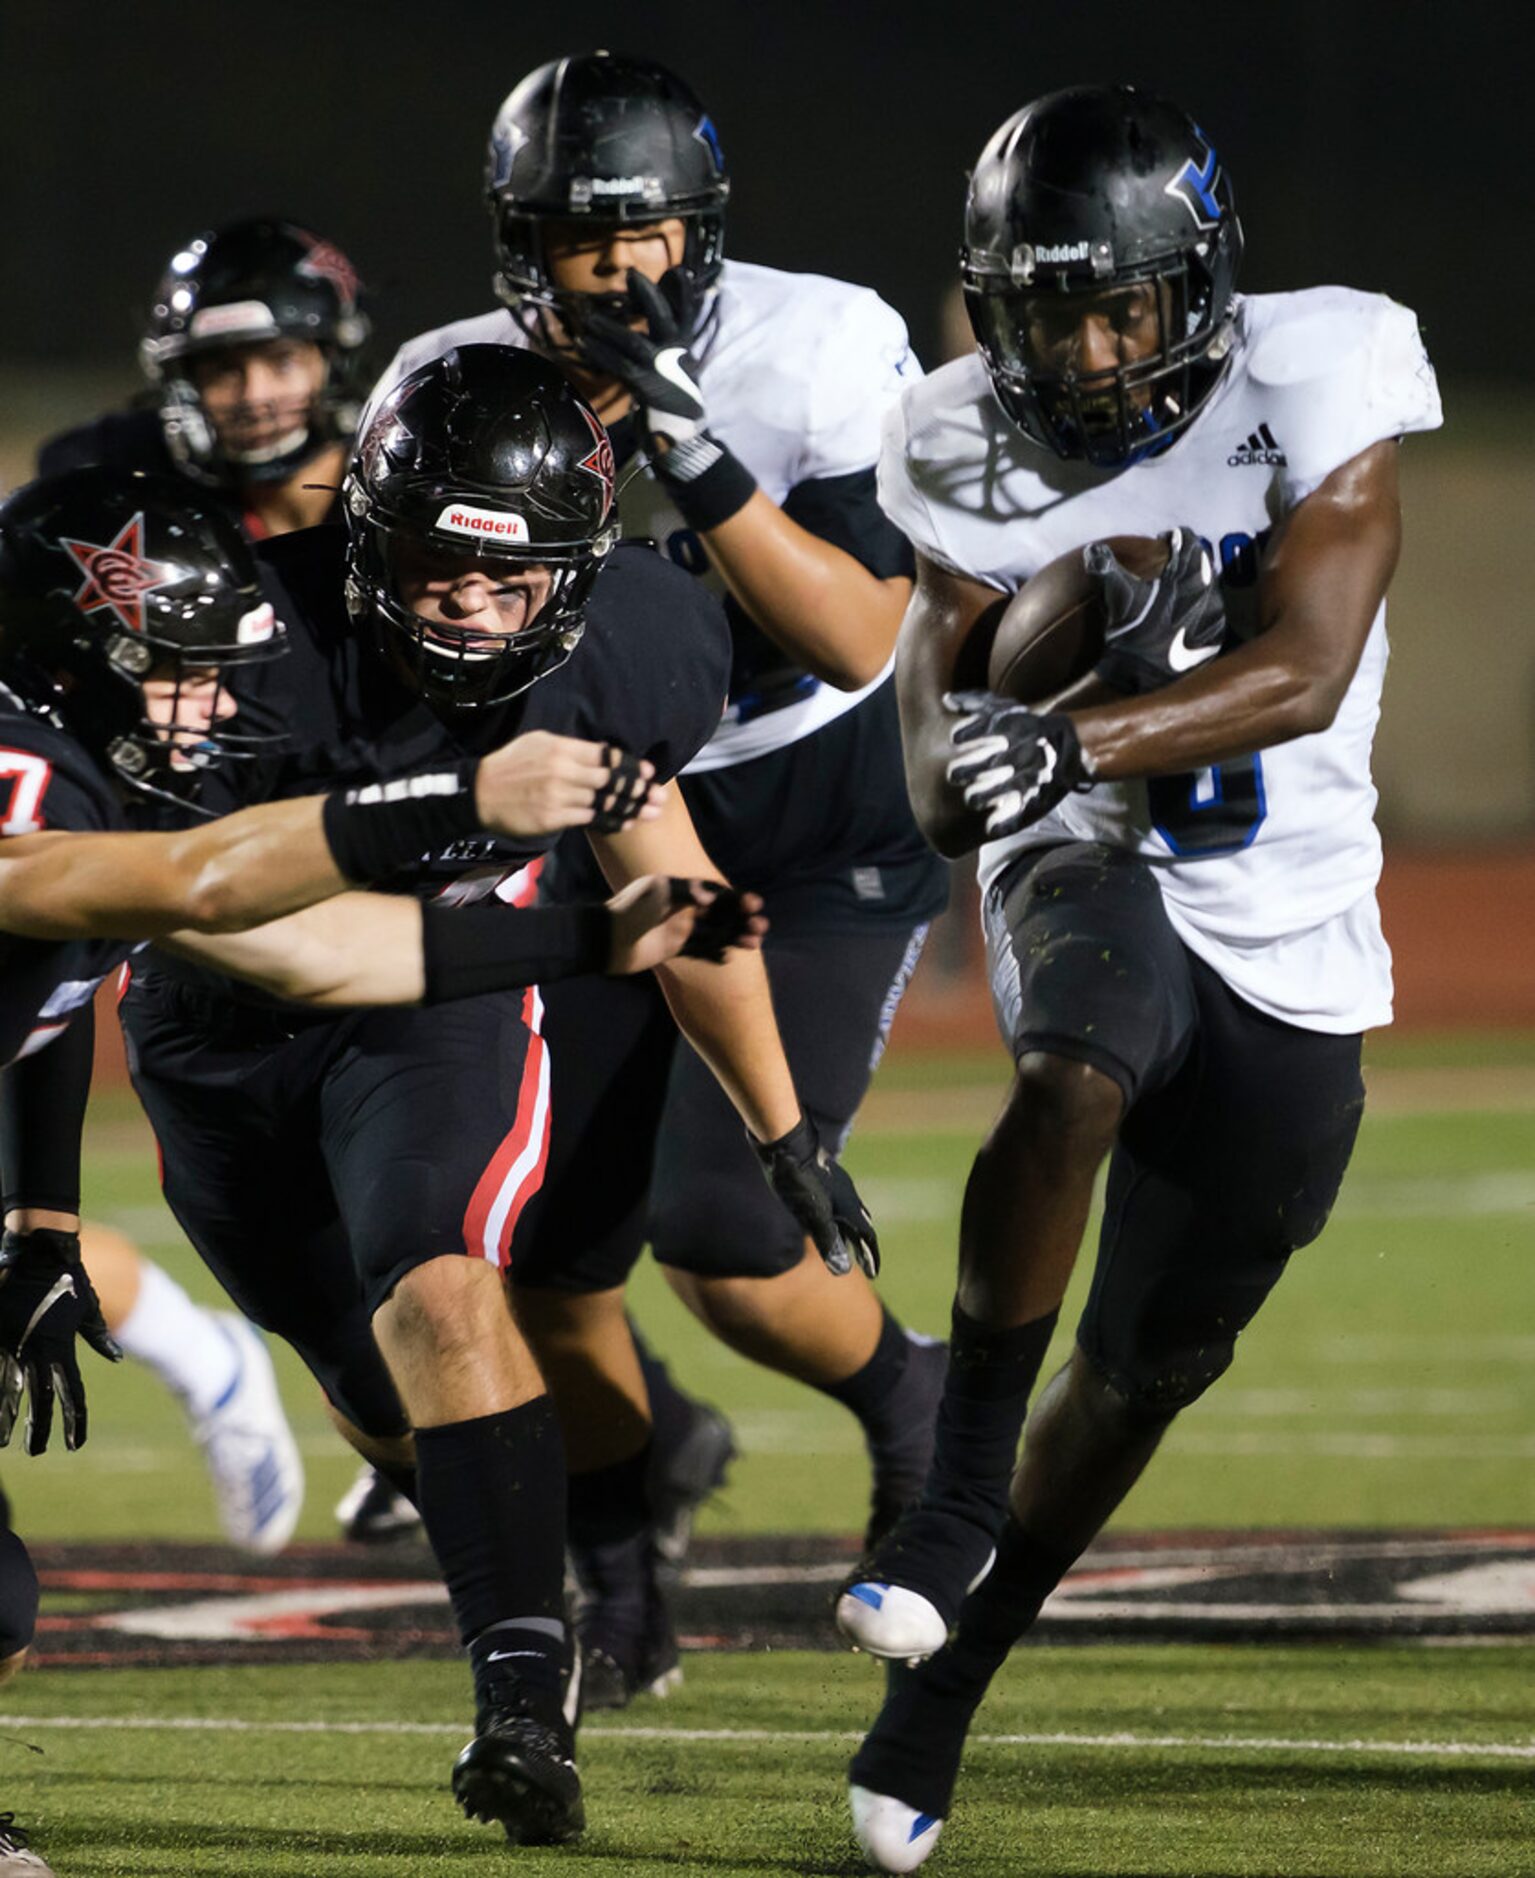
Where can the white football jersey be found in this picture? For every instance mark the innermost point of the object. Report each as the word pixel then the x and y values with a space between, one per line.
pixel 797 372
pixel 1267 865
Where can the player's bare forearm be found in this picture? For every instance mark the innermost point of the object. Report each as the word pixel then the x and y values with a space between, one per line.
pixel 356 949
pixel 220 877
pixel 1322 583
pixel 940 617
pixel 725 1011
pixel 814 600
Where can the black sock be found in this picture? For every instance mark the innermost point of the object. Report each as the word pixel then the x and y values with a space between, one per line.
pixel 611 1502
pixel 492 1496
pixel 867 1391
pixel 610 1545
pixel 401 1477
pixel 913 1750
pixel 980 1419
pixel 671 1411
pixel 895 1397
pixel 1006 1602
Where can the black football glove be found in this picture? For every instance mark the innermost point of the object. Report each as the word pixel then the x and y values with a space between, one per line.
pixel 721 923
pixel 46 1300
pixel 657 367
pixel 822 1197
pixel 622 796
pixel 1157 630
pixel 1012 764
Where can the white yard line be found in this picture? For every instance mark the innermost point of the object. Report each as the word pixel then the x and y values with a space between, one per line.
pixel 1235 1744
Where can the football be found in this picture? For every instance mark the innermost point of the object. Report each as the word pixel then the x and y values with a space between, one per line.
pixel 1051 632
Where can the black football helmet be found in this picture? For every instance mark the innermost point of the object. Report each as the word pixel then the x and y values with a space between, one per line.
pixel 1082 192
pixel 612 139
pixel 110 577
pixel 484 453
pixel 239 285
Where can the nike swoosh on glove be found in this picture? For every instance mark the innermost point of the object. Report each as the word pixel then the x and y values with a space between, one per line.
pixel 655 364
pixel 46 1301
pixel 1159 629
pixel 1012 764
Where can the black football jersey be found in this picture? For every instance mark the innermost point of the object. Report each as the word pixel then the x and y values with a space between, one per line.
pixel 48 782
pixel 134 440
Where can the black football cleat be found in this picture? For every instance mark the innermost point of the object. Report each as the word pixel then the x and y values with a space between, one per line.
pixel 688 1464
pixel 373 1511
pixel 520 1770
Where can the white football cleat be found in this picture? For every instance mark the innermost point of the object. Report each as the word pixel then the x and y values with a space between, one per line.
pixel 258 1478
pixel 892 1835
pixel 895 1621
pixel 890 1620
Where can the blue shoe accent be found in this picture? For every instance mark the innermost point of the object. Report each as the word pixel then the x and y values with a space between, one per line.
pixel 922 1823
pixel 867 1594
pixel 227 1395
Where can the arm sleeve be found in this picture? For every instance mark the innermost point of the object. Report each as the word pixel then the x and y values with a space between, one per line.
pixel 42 1111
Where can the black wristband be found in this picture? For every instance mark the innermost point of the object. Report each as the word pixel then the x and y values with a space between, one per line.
pixel 712 497
pixel 466 950
pixel 378 829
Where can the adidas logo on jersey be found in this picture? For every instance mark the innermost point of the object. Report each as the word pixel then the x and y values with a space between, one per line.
pixel 1260 447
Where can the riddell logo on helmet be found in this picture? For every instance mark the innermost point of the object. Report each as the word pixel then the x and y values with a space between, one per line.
pixel 624 185
pixel 458 518
pixel 234 318
pixel 1063 251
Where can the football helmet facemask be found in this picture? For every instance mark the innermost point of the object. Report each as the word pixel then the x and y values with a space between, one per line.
pixel 611 140
pixel 110 578
pixel 486 455
pixel 240 285
pixel 1090 192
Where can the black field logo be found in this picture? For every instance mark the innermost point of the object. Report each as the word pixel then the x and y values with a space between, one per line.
pixel 161 1604
pixel 1260 447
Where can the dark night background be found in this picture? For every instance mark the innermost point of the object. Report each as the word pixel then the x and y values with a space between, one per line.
pixel 1383 146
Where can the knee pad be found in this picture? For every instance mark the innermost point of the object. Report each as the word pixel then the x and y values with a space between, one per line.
pixel 18 1595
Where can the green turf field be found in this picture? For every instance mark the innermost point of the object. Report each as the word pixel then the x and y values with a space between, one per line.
pixel 1390 1382
pixel 1389 1763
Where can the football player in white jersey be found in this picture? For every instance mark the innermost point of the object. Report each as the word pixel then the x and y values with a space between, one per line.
pixel 1178 867
pixel 747 404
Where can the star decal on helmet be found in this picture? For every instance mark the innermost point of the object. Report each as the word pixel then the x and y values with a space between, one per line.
pixel 118 576
pixel 600 462
pixel 325 261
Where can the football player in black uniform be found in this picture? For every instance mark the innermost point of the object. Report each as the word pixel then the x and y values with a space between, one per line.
pixel 254 353
pixel 749 403
pixel 126 609
pixel 357 1183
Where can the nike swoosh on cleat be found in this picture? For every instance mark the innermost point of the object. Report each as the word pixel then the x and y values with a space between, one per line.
pixel 1183 657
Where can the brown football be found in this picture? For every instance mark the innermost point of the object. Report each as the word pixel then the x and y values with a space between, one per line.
pixel 1051 632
